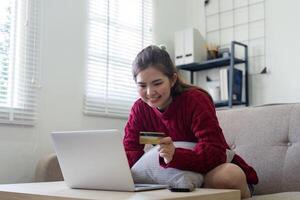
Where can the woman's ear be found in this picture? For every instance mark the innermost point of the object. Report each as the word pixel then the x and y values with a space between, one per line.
pixel 174 79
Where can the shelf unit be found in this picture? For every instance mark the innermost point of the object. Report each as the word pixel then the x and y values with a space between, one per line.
pixel 243 21
pixel 230 61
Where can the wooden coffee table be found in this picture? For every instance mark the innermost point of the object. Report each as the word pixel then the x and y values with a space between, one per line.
pixel 60 191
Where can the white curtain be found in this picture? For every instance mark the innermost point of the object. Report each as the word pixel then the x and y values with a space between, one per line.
pixel 19 56
pixel 117 31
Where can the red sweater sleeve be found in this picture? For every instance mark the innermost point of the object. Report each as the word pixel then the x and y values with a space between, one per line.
pixel 131 138
pixel 210 150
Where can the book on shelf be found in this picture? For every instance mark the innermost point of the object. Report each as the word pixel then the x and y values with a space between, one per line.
pixel 237 84
pixel 223 84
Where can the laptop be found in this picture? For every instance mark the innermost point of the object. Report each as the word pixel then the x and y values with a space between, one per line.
pixel 95 159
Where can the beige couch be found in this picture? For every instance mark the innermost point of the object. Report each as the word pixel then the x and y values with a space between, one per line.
pixel 267 137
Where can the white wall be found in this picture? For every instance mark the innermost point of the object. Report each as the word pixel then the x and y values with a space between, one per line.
pixel 282 31
pixel 61 95
pixel 282 43
pixel 173 15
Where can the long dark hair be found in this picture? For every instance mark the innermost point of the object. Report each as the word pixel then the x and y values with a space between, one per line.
pixel 153 56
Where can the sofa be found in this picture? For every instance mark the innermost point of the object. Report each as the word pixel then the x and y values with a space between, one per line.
pixel 267 137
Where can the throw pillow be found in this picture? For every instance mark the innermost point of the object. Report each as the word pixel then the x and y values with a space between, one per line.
pixel 148 170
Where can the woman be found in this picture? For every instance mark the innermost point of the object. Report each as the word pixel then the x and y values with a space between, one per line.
pixel 184 113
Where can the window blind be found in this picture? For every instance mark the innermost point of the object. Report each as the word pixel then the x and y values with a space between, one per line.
pixel 117 31
pixel 19 49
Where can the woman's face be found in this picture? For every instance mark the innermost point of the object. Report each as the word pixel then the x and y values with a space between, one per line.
pixel 154 87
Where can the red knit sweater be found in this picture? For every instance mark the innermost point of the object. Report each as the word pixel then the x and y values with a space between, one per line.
pixel 190 117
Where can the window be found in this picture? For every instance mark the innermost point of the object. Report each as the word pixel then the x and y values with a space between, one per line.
pixel 117 31
pixel 18 60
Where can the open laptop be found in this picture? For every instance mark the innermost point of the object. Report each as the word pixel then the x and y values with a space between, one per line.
pixel 95 159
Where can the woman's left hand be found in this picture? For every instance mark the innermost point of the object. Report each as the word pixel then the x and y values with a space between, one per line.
pixel 166 149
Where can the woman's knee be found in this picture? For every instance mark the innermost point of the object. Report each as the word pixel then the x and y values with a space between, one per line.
pixel 227 175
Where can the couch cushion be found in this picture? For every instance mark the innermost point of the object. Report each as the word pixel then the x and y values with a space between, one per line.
pixel 291 170
pixel 277 196
pixel 48 169
pixel 268 139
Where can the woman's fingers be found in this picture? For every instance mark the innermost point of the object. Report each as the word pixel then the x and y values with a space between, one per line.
pixel 163 155
pixel 166 140
pixel 166 149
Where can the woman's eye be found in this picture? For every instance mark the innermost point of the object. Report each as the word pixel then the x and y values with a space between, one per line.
pixel 142 86
pixel 158 83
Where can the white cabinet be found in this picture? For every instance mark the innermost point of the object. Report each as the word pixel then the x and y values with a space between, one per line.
pixel 189 47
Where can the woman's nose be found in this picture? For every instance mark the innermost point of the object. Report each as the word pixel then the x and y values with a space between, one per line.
pixel 149 91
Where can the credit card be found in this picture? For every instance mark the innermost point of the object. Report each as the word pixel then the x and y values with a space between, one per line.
pixel 151 137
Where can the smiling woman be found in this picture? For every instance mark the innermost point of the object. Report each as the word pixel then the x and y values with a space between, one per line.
pixel 183 113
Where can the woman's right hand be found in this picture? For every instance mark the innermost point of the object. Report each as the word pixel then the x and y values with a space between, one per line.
pixel 166 149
